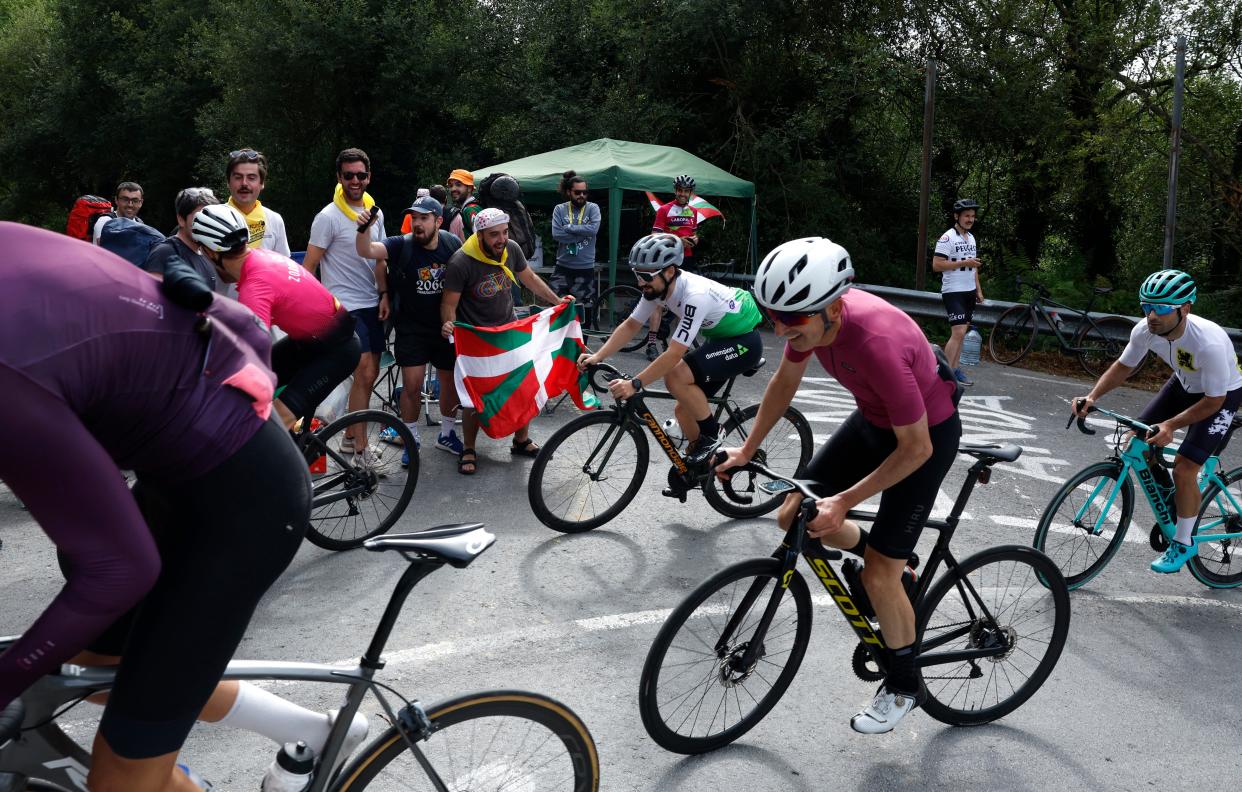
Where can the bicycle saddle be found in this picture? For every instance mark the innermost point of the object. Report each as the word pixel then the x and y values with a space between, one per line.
pixel 991 452
pixel 1102 289
pixel 752 372
pixel 457 544
pixel 11 721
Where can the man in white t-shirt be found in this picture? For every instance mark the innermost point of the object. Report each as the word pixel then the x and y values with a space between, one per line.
pixel 246 173
pixel 350 277
pixel 1202 396
pixel 128 200
pixel 956 258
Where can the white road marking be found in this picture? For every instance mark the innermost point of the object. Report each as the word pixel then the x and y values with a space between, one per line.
pixel 1026 522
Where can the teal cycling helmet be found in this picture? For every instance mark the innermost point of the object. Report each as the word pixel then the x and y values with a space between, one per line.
pixel 1168 287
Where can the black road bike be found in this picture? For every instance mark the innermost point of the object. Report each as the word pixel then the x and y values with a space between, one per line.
pixel 989 630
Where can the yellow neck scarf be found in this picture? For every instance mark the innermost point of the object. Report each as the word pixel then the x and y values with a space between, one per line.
pixel 338 198
pixel 256 221
pixel 474 249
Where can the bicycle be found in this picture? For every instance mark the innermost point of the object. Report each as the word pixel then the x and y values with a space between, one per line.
pixel 990 629
pixel 501 739
pixel 354 498
pixel 583 465
pixel 1086 521
pixel 1096 342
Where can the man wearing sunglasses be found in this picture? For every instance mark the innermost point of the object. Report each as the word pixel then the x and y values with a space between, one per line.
pixel 246 173
pixel 899 443
pixel 1201 396
pixel 725 317
pixel 575 224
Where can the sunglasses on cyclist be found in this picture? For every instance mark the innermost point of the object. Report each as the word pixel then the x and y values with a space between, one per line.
pixel 350 176
pixel 1159 308
pixel 646 277
pixel 245 155
pixel 791 318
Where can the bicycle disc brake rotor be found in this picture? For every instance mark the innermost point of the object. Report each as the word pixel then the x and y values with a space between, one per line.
pixel 991 636
pixel 865 667
pixel 1159 542
pixel 732 671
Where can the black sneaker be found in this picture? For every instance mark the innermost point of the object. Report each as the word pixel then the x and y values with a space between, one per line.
pixel 653 351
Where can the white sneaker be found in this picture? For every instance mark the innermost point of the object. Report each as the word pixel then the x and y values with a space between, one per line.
pixel 353 738
pixel 347 444
pixel 883 713
pixel 367 459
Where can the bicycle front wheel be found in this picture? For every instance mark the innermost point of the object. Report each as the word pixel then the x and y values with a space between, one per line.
pixel 1009 608
pixel 786 450
pixel 587 472
pixel 1085 523
pixel 1101 343
pixel 485 742
pixel 1013 335
pixel 614 306
pixel 359 491
pixel 1217 563
pixel 698 691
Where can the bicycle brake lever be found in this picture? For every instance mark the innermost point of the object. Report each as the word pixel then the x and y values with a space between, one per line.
pixel 1082 422
pixel 727 484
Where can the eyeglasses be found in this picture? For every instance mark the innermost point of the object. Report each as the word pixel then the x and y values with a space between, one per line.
pixel 351 175
pixel 580 192
pixel 245 155
pixel 791 318
pixel 1159 308
pixel 129 201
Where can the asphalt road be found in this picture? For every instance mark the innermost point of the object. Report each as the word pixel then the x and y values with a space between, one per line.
pixel 1143 696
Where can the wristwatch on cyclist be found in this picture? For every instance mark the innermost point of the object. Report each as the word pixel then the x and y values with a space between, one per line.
pixel 637 383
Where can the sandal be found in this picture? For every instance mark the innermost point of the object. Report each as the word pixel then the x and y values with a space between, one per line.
pixel 463 463
pixel 526 448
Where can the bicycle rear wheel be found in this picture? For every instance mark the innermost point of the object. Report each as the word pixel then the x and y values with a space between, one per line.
pixel 1009 602
pixel 587 472
pixel 1218 563
pixel 484 742
pixel 1101 343
pixel 1013 335
pixel 695 693
pixel 1066 528
pixel 614 306
pixel 786 450
pixel 356 496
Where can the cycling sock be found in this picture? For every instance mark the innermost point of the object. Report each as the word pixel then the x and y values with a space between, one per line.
pixel 281 721
pixel 446 425
pixel 651 337
pixel 1185 525
pixel 708 428
pixel 861 547
pixel 903 675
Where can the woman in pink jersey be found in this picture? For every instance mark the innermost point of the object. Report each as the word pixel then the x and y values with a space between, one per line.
pixel 901 441
pixel 320 349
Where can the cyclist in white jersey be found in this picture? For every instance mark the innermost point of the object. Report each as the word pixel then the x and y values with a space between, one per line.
pixel 724 316
pixel 1202 396
pixel 957 260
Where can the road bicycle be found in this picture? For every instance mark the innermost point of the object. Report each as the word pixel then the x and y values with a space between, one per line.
pixel 356 496
pixel 481 742
pixel 1096 342
pixel 1086 522
pixel 590 469
pixel 990 630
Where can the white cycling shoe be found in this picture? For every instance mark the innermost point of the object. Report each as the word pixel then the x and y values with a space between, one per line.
pixel 358 730
pixel 883 713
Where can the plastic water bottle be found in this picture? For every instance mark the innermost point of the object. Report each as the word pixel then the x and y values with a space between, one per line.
pixel 971 344
pixel 1057 320
pixel 673 430
pixel 291 770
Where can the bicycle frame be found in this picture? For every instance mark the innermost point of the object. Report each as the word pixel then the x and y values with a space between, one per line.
pixel 1040 306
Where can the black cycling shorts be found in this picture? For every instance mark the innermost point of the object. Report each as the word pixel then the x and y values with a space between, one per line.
pixel 309 370
pixel 1202 439
pixel 857 448
pixel 718 359
pixel 418 345
pixel 223 539
pixel 959 306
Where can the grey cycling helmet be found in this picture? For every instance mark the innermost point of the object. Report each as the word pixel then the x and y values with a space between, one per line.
pixel 220 228
pixel 654 252
pixel 684 180
pixel 1168 287
pixel 963 204
pixel 803 275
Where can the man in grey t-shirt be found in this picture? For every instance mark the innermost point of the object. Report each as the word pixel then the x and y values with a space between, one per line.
pixel 477 292
pixel 350 277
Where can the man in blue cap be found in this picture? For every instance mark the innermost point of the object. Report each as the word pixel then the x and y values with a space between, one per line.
pixel 409 272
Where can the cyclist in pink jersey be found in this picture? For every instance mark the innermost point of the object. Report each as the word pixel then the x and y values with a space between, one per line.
pixel 320 349
pixel 901 441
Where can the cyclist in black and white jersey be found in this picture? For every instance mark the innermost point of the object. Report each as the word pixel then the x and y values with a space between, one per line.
pixel 725 317
pixel 957 260
pixel 1202 395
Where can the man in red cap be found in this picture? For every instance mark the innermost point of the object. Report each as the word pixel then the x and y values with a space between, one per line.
pixel 459 218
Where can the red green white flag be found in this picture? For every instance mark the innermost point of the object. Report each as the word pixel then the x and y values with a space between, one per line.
pixel 509 372
pixel 702 209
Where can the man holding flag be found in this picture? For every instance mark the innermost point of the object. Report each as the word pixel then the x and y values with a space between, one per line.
pixel 477 293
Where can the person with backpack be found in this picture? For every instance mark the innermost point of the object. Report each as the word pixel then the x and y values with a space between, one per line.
pixel 459 217
pixel 409 271
pixel 183 245
pixel 128 200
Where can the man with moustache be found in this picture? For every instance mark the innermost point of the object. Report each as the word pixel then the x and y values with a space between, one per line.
pixel 409 271
pixel 575 224
pixel 246 173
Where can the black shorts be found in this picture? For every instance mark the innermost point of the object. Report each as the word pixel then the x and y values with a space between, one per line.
pixel 223 539
pixel 309 370
pixel 959 306
pixel 1203 438
pixel 417 345
pixel 857 448
pixel 718 359
pixel 581 283
pixel 369 328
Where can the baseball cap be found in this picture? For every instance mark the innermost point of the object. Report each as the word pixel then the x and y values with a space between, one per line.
pixel 425 205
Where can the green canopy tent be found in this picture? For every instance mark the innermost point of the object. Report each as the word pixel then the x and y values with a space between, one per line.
pixel 622 165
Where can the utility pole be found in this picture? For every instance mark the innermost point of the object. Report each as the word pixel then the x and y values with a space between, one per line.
pixel 1175 152
pixel 929 114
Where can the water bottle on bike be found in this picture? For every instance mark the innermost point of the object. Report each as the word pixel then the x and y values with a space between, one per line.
pixel 291 770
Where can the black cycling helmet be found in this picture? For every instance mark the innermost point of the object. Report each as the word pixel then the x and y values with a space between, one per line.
pixel 962 204
pixel 684 180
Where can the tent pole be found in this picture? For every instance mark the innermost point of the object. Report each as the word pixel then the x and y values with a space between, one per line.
pixel 614 232
pixel 754 236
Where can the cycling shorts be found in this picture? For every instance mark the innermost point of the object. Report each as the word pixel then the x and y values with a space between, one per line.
pixel 857 448
pixel 1202 439
pixel 309 370
pixel 417 345
pixel 959 306
pixel 718 359
pixel 223 539
pixel 371 331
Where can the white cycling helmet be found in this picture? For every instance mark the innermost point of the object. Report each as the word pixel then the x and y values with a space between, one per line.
pixel 654 252
pixel 220 228
pixel 803 275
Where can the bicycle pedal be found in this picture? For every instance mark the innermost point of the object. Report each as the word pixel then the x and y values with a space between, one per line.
pixel 672 493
